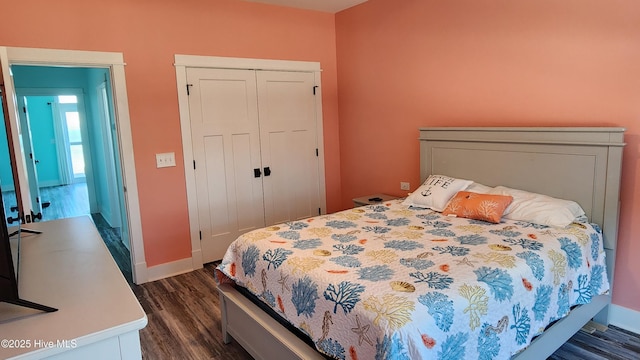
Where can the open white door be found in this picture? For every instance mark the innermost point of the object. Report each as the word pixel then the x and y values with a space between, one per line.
pixel 30 159
pixel 11 117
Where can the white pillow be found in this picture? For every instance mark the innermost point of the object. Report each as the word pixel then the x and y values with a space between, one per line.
pixel 479 188
pixel 436 192
pixel 539 209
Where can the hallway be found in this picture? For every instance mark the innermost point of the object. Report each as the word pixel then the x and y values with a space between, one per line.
pixel 65 201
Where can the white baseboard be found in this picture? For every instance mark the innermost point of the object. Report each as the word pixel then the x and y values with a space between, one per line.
pixel 141 275
pixel 8 187
pixel 49 183
pixel 169 269
pixel 162 271
pixel 624 318
pixel 196 258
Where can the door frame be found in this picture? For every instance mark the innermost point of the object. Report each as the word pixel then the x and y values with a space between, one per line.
pixel 115 211
pixel 16 151
pixel 115 63
pixel 182 62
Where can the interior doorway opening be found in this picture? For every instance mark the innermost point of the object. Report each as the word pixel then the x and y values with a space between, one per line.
pixel 114 63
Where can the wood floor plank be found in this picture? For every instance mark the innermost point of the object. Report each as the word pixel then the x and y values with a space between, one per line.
pixel 65 201
pixel 185 308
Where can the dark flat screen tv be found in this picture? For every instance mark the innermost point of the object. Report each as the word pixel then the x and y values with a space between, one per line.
pixel 9 269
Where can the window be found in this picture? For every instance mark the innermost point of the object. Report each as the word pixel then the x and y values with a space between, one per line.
pixel 67 99
pixel 72 119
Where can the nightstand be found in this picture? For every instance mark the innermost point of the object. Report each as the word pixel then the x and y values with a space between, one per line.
pixel 369 199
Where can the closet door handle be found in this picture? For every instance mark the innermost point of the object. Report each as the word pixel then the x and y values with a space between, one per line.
pixel 267 171
pixel 256 172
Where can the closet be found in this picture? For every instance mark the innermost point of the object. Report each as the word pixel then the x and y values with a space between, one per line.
pixel 255 151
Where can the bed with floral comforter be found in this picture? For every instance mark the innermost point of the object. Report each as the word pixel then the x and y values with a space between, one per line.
pixel 392 282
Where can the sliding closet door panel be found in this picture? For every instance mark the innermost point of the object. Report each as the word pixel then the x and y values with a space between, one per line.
pixel 288 141
pixel 226 148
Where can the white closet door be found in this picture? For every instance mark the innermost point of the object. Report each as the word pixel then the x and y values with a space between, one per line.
pixel 226 148
pixel 288 141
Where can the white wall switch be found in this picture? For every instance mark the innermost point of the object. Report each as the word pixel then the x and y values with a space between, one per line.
pixel 404 186
pixel 165 160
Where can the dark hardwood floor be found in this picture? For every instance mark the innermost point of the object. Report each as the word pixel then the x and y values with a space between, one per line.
pixel 63 201
pixel 184 323
pixel 184 319
pixel 614 343
pixel 112 239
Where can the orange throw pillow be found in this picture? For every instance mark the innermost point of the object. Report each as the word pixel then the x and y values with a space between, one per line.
pixel 486 207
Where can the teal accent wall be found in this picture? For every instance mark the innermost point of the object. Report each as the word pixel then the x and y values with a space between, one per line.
pixel 25 76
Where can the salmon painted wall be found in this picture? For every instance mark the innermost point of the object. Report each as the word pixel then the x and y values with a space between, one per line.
pixel 413 63
pixel 149 33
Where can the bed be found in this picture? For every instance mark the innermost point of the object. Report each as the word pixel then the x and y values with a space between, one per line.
pixel 396 299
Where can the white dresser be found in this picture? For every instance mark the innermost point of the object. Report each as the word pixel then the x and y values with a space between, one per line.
pixel 68 267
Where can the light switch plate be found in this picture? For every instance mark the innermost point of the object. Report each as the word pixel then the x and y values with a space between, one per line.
pixel 165 159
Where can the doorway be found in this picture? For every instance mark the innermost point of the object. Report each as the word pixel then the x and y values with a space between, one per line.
pixel 104 160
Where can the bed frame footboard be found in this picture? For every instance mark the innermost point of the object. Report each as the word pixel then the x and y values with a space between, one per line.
pixel 258 333
pixel 265 338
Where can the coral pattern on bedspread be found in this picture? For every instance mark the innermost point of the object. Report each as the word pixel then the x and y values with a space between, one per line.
pixel 392 282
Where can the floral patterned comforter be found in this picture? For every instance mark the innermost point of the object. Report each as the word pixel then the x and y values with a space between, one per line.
pixel 392 282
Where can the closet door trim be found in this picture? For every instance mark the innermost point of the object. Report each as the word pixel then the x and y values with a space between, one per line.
pixel 182 62
pixel 245 63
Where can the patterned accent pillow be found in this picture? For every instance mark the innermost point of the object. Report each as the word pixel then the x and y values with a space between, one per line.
pixel 476 206
pixel 436 192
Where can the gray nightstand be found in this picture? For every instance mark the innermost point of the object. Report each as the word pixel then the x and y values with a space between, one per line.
pixel 368 199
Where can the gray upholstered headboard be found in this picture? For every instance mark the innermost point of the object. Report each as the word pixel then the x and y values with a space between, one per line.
pixel 576 163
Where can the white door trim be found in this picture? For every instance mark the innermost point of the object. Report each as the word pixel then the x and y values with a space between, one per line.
pixel 115 213
pixel 182 62
pixel 115 62
pixel 244 63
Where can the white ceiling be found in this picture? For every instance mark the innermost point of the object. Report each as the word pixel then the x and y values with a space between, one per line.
pixel 332 6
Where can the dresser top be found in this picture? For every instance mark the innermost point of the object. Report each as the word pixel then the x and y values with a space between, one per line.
pixel 68 267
